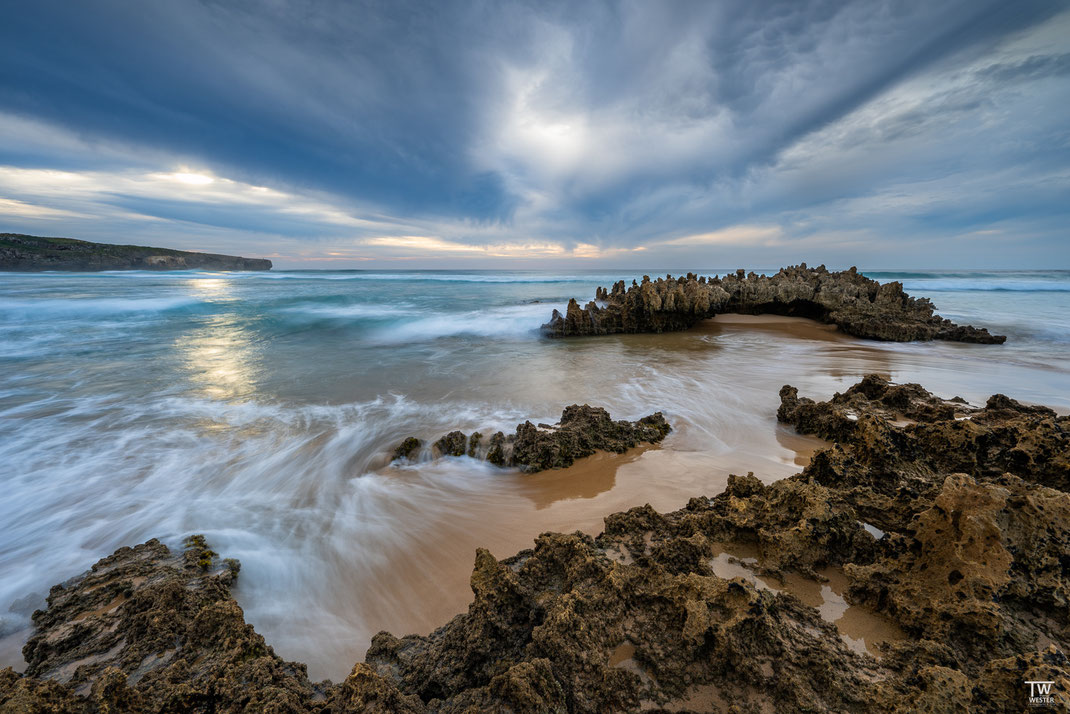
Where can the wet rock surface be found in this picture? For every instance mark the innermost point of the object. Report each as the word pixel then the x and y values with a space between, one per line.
pixel 150 630
pixel 407 448
pixel 895 443
pixel 856 304
pixel 581 432
pixel 975 507
pixel 969 559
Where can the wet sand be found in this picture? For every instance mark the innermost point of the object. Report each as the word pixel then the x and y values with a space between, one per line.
pixel 794 326
pixel 423 585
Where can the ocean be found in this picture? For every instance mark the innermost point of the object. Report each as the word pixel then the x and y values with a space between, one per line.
pixel 260 410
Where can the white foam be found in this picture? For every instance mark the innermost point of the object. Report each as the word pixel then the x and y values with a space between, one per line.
pixel 35 308
pixel 354 311
pixel 919 288
pixel 872 530
pixel 513 321
pixel 281 487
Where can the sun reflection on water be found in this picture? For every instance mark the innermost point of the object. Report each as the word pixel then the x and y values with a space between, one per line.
pixel 219 353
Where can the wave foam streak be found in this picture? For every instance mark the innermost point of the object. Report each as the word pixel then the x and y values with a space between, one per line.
pixel 290 491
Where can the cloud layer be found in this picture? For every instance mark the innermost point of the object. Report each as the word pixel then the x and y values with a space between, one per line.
pixel 891 134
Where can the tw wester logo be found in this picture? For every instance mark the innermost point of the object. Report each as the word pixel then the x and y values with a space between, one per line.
pixel 1040 694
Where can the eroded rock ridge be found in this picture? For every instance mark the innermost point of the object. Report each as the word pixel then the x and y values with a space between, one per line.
pixel 582 431
pixel 858 305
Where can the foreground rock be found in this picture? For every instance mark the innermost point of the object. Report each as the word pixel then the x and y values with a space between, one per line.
pixel 149 630
pixel 582 431
pixel 977 514
pixel 856 304
pixel 897 440
pixel 972 565
pixel 32 253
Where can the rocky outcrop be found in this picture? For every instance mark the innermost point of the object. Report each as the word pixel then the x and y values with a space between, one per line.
pixel 567 626
pixel 32 253
pixel 581 432
pixel 968 557
pixel 856 304
pixel 893 439
pixel 407 448
pixel 975 505
pixel 150 630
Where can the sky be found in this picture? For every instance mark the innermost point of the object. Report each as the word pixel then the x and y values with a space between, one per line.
pixel 395 134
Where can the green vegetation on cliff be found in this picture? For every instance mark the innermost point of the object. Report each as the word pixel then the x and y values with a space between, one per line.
pixel 31 253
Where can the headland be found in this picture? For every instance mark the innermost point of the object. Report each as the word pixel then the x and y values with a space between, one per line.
pixel 25 253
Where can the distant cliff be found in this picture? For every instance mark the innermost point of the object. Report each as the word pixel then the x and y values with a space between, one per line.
pixel 29 253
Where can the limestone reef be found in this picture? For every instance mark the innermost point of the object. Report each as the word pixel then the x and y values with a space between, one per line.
pixel 948 519
pixel 582 431
pixel 150 630
pixel 854 303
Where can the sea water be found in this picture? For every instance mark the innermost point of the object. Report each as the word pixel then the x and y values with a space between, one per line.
pixel 260 409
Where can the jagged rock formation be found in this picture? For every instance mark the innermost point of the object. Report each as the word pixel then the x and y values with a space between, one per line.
pixel 32 253
pixel 972 565
pixel 568 626
pixel 856 304
pixel 148 630
pixel 582 431
pixel 407 448
pixel 894 439
pixel 977 512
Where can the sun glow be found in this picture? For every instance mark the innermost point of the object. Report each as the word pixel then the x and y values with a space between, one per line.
pixel 190 178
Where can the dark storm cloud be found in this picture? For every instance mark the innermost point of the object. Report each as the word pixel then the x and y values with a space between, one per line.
pixel 604 123
pixel 375 101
